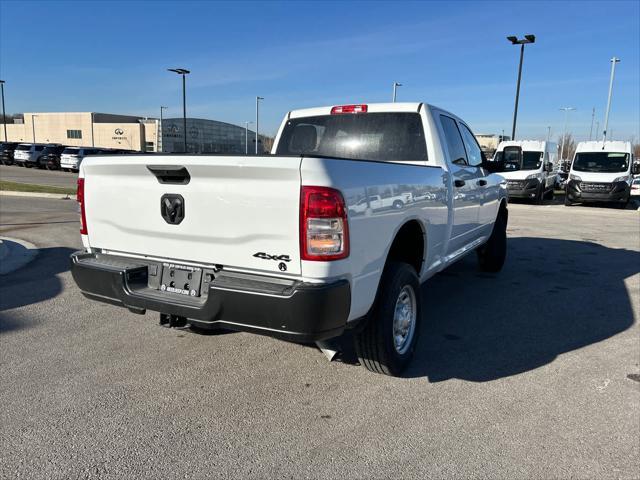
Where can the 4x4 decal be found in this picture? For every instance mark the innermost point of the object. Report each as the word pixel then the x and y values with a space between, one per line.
pixel 278 258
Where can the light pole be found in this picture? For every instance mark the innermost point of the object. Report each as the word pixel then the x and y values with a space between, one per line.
pixel 183 72
pixel 33 127
pixel 564 135
pixel 160 139
pixel 593 117
pixel 246 137
pixel 257 119
pixel 614 60
pixel 522 43
pixel 395 86
pixel 4 118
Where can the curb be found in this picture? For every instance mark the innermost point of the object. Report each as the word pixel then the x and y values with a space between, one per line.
pixel 15 254
pixel 60 196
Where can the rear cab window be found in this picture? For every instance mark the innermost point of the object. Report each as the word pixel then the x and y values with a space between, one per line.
pixel 384 136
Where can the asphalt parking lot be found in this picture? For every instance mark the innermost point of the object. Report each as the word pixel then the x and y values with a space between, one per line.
pixel 527 373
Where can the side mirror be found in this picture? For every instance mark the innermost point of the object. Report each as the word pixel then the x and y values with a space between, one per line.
pixel 635 168
pixel 493 167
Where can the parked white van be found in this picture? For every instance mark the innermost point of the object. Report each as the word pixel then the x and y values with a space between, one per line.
pixel 530 168
pixel 601 172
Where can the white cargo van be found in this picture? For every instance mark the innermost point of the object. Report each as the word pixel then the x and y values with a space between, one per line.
pixel 529 168
pixel 601 172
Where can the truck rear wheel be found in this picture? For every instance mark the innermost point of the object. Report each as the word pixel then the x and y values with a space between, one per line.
pixel 491 255
pixel 386 343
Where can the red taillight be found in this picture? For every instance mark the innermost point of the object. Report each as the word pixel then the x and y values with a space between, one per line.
pixel 80 197
pixel 348 109
pixel 324 229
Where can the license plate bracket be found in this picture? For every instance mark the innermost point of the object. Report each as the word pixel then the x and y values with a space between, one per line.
pixel 181 279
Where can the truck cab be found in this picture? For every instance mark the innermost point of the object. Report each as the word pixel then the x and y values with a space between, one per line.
pixel 601 172
pixel 529 168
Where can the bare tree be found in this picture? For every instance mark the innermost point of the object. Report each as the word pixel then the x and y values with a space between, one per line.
pixel 569 146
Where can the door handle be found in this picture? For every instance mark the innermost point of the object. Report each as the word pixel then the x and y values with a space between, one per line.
pixel 482 182
pixel 459 183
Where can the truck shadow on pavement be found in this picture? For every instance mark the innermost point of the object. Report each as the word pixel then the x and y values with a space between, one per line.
pixel 35 282
pixel 552 297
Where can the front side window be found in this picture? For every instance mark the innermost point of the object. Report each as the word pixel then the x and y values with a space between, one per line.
pixel 455 145
pixel 604 162
pixel 388 136
pixel 474 154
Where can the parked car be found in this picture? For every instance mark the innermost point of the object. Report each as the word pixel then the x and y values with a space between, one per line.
pixel 635 188
pixel 29 154
pixel 266 244
pixel 601 172
pixel 6 152
pixel 72 157
pixel 529 168
pixel 50 158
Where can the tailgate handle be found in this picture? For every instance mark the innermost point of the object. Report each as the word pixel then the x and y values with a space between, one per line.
pixel 171 174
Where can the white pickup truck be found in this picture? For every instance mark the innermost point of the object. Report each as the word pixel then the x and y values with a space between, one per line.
pixel 266 243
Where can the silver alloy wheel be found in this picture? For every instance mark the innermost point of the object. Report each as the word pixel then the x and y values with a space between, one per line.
pixel 404 319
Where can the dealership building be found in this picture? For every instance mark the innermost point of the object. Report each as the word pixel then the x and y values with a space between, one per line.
pixel 91 129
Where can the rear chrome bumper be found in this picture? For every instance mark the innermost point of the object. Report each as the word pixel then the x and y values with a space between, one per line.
pixel 282 308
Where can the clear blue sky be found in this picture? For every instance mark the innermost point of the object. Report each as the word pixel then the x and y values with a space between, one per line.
pixel 112 57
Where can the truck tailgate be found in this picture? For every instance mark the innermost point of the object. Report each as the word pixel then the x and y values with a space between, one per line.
pixel 239 212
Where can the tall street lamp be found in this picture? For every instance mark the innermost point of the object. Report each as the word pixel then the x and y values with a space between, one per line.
pixel 160 139
pixel 257 119
pixel 395 86
pixel 614 60
pixel 564 135
pixel 522 42
pixel 183 72
pixel 246 137
pixel 4 118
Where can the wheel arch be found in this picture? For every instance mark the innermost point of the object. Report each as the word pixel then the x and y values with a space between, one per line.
pixel 409 245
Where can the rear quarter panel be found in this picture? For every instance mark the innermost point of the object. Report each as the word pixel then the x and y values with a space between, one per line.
pixel 372 231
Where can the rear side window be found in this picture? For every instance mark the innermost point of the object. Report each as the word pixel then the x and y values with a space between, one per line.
pixel 23 147
pixel 71 151
pixel 396 136
pixel 457 153
pixel 39 148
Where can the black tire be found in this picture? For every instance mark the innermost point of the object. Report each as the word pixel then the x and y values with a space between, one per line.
pixel 375 344
pixel 491 255
pixel 539 196
pixel 398 204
